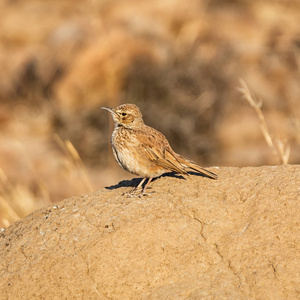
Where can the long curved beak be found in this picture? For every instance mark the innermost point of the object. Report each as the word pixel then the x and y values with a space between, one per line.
pixel 108 109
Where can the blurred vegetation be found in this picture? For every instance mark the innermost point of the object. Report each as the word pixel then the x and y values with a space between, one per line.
pixel 180 61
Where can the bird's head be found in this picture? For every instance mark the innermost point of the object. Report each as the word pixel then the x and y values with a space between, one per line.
pixel 127 115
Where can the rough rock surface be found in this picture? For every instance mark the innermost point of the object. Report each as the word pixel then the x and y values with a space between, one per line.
pixel 234 238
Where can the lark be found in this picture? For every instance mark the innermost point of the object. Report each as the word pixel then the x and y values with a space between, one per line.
pixel 143 150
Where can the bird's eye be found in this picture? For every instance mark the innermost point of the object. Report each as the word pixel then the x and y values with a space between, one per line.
pixel 124 114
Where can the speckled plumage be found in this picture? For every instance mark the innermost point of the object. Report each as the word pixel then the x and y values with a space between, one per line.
pixel 143 150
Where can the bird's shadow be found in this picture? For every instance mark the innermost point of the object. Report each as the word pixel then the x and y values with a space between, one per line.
pixel 135 181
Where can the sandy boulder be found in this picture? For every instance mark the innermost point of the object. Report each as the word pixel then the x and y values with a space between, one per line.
pixel 193 238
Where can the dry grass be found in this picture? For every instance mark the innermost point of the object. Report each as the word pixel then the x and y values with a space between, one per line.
pixel 18 199
pixel 76 163
pixel 278 147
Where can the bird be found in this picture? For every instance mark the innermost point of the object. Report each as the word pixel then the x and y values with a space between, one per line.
pixel 145 151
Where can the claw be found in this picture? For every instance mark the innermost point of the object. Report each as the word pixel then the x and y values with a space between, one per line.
pixel 139 191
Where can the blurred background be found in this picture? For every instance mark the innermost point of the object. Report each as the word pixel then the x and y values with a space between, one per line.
pixel 180 61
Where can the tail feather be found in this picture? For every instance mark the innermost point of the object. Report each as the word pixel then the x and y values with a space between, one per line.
pixel 203 171
pixel 191 165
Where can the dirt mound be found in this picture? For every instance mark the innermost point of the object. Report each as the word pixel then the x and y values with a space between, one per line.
pixel 234 238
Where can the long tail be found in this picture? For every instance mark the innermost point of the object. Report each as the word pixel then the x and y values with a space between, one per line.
pixel 190 164
pixel 202 170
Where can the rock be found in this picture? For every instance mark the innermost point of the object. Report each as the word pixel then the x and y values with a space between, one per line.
pixel 234 238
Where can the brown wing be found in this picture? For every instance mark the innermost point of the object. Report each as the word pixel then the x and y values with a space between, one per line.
pixel 165 160
pixel 157 148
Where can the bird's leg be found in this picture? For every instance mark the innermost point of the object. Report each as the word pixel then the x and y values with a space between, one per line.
pixel 140 184
pixel 134 190
pixel 145 187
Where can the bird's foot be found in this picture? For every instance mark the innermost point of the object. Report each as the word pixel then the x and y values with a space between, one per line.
pixel 132 193
pixel 137 193
pixel 145 194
